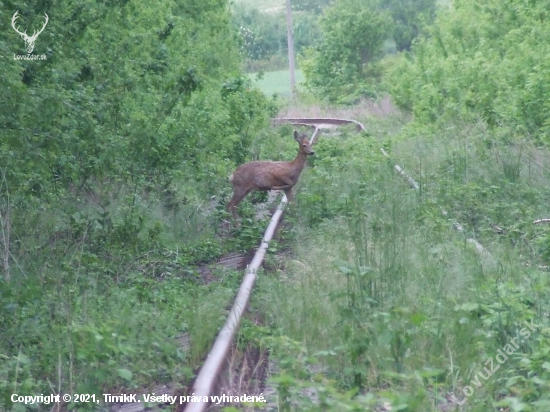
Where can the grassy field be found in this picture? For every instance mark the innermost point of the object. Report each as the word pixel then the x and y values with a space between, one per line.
pixel 277 82
pixel 378 294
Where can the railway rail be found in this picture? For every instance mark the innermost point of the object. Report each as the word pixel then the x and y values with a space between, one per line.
pixel 209 373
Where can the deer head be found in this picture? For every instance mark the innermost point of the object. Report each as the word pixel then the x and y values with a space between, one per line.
pixel 305 145
pixel 29 40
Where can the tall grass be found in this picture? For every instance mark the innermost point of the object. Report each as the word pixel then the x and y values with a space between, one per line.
pixel 105 294
pixel 388 295
pixel 103 289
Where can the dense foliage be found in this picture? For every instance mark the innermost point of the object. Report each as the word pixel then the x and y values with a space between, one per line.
pixel 409 19
pixel 114 154
pixel 342 66
pixel 354 32
pixel 147 105
pixel 487 59
pixel 264 36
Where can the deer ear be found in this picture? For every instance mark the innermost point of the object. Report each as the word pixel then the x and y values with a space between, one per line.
pixel 296 136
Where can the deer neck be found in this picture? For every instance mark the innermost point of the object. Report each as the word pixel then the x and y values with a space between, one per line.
pixel 299 162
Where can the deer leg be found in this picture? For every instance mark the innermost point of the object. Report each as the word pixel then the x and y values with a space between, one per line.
pixel 238 195
pixel 288 193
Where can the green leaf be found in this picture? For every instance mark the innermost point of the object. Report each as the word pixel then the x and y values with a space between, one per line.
pixel 125 374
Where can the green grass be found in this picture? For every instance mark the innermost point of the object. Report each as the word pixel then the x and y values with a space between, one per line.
pixel 277 82
pixel 387 298
pixel 115 323
pixel 101 308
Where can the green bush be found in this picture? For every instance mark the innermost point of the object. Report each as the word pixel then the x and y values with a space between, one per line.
pixel 342 64
pixel 485 60
pixel 115 154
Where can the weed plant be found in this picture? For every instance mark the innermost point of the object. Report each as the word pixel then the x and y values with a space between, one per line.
pixel 105 286
pixel 383 298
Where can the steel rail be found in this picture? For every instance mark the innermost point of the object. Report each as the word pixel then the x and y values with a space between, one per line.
pixel 337 121
pixel 315 121
pixel 208 375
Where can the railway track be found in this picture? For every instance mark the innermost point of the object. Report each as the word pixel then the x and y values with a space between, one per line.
pixel 209 373
pixel 208 376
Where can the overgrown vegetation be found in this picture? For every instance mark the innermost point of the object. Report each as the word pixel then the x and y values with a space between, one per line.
pixel 344 65
pixel 381 301
pixel 384 302
pixel 114 157
pixel 484 59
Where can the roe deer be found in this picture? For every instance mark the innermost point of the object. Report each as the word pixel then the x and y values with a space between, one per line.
pixel 266 175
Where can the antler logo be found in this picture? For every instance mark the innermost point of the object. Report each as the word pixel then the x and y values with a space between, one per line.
pixel 29 40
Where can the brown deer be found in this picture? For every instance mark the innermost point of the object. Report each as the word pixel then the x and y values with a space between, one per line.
pixel 266 175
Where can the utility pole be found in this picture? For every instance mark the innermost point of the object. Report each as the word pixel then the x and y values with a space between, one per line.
pixel 291 63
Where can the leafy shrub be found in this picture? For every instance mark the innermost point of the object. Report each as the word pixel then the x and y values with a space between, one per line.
pixel 353 35
pixel 484 59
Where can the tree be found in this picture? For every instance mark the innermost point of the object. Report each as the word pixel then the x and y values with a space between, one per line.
pixel 488 59
pixel 89 111
pixel 353 35
pixel 137 110
pixel 409 19
pixel 263 34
